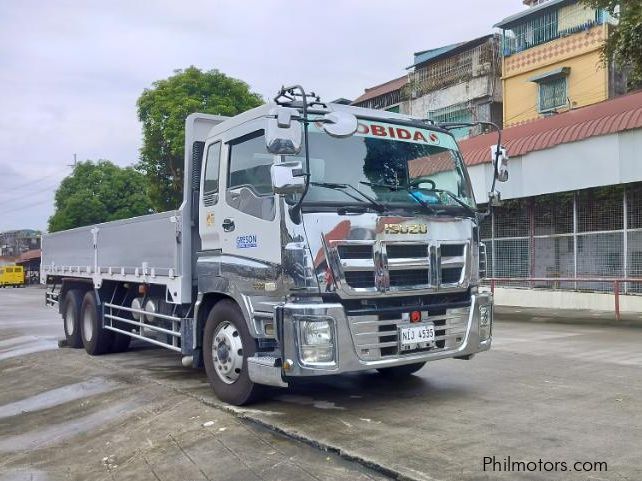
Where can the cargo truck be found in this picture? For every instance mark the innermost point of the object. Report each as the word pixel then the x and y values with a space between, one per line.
pixel 313 239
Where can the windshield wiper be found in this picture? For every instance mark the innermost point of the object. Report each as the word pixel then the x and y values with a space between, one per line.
pixel 408 188
pixel 468 208
pixel 375 184
pixel 331 185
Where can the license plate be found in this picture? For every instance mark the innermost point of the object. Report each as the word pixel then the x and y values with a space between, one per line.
pixel 416 337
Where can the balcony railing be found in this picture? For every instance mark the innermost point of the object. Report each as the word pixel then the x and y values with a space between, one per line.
pixel 550 26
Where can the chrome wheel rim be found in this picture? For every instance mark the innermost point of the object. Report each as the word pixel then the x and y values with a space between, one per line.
pixel 227 352
pixel 70 319
pixel 88 325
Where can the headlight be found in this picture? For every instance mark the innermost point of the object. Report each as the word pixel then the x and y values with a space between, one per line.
pixel 316 341
pixel 316 333
pixel 485 321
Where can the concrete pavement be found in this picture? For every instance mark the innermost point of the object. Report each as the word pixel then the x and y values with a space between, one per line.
pixel 545 392
pixel 67 416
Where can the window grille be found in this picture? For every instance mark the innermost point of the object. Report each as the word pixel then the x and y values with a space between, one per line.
pixel 552 94
pixel 454 113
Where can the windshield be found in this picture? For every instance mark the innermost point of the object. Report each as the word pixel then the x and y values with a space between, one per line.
pixel 395 165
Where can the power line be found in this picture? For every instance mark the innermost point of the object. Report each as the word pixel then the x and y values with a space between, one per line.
pixel 31 182
pixel 25 195
pixel 23 207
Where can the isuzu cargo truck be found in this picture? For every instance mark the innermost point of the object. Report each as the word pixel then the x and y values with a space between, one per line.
pixel 313 239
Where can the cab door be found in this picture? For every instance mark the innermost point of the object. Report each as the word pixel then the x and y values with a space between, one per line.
pixel 247 214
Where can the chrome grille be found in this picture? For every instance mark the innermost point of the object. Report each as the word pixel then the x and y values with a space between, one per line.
pixel 376 337
pixel 368 266
pixel 396 251
pixel 410 277
pixel 360 279
pixel 453 262
pixel 355 251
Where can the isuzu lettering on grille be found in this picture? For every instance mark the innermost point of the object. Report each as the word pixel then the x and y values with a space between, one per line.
pixel 405 229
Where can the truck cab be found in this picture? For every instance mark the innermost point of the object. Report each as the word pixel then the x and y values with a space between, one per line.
pixel 368 257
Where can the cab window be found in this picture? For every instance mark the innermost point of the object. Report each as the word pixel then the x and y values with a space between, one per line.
pixel 250 164
pixel 249 182
pixel 210 183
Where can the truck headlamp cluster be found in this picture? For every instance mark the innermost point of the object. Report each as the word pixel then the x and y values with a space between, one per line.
pixel 485 321
pixel 316 336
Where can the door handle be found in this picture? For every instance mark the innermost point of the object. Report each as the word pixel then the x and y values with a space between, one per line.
pixel 228 225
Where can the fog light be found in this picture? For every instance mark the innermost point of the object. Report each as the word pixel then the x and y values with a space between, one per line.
pixel 316 341
pixel 485 321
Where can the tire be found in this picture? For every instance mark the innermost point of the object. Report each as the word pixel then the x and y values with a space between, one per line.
pixel 95 339
pixel 401 371
pixel 120 342
pixel 230 379
pixel 71 317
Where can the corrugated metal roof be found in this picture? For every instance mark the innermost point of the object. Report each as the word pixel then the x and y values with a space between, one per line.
pixel 608 117
pixel 382 89
pixel 29 255
pixel 436 53
pixel 512 19
pixel 426 55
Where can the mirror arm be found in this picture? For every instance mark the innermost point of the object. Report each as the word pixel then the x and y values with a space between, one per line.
pixel 289 93
pixel 455 125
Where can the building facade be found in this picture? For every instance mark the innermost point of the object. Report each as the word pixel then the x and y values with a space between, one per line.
pixel 457 83
pixel 454 83
pixel 551 55
pixel 15 242
pixel 386 96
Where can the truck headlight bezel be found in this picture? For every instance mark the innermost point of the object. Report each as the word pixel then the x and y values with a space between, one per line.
pixel 316 339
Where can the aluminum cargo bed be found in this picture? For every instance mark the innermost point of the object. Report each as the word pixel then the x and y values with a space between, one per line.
pixel 146 249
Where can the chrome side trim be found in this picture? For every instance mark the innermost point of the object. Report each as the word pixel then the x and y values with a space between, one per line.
pixel 263 369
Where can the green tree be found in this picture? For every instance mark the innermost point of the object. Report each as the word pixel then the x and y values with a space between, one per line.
pixel 624 44
pixel 163 110
pixel 99 192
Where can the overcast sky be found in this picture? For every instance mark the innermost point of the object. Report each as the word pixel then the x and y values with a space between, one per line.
pixel 70 72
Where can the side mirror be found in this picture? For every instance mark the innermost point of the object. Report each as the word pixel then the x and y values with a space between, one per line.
pixel 283 135
pixel 500 162
pixel 340 124
pixel 288 178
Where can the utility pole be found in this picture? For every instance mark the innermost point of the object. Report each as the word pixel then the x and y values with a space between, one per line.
pixel 73 166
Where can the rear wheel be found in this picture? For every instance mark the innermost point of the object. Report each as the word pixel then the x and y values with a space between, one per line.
pixel 401 371
pixel 120 342
pixel 226 346
pixel 95 338
pixel 71 317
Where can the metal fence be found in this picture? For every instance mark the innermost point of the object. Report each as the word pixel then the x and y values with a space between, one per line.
pixel 590 233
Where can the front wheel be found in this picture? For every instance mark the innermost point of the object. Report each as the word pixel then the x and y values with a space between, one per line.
pixel 401 371
pixel 226 346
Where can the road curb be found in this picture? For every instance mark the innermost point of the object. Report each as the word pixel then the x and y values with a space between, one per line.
pixel 551 316
pixel 244 414
pixel 300 437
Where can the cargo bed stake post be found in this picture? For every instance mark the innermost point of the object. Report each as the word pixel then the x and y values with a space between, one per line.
pixel 95 274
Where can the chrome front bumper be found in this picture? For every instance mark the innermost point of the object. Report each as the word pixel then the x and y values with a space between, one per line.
pixel 346 357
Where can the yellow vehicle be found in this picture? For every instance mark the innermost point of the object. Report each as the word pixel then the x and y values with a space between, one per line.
pixel 13 276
